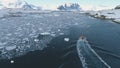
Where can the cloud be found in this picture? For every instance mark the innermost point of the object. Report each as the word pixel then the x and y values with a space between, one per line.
pixel 8 1
pixel 86 7
pixel 92 7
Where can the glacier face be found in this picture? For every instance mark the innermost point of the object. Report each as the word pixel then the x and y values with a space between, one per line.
pixel 19 35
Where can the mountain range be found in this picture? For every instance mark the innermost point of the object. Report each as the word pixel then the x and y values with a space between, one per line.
pixel 19 4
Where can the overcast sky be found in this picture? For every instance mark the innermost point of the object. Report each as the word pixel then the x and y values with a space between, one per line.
pixel 85 4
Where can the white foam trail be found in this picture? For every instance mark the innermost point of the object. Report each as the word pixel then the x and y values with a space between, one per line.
pixel 81 56
pixel 88 57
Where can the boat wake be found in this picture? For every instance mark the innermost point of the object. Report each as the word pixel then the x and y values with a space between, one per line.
pixel 102 50
pixel 88 57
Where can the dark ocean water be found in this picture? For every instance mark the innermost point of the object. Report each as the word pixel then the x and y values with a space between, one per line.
pixel 61 54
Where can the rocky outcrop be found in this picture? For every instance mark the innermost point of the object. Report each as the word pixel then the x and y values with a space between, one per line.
pixel 117 7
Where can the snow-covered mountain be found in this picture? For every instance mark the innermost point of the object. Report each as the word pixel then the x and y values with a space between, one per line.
pixel 69 7
pixel 19 5
pixel 111 14
pixel 27 6
pixel 10 9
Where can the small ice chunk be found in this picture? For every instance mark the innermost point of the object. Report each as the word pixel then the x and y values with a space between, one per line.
pixel 12 61
pixel 9 34
pixel 36 40
pixel 76 24
pixel 66 39
pixel 19 29
pixel 59 30
pixel 10 47
pixel 61 33
pixel 26 39
pixel 28 24
pixel 3 19
pixel 2 44
pixel 56 15
pixel 40 29
pixel 45 33
pixel 1 47
pixel 53 35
